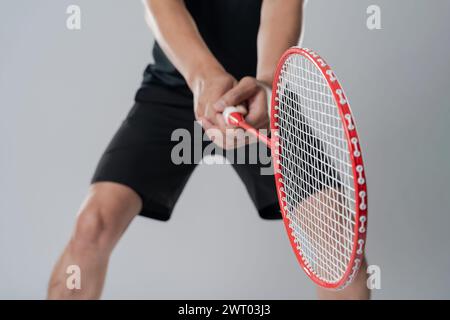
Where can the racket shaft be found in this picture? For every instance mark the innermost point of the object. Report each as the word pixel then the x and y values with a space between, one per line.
pixel 244 125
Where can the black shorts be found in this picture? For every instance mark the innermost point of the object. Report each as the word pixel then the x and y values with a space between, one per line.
pixel 139 156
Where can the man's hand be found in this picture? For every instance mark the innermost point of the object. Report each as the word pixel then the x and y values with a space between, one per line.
pixel 207 89
pixel 254 95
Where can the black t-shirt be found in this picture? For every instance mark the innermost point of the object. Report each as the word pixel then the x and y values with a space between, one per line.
pixel 229 28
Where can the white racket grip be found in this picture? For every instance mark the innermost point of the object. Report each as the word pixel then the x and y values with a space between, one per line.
pixel 226 113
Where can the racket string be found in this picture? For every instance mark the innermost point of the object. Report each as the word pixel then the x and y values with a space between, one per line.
pixel 316 169
pixel 325 206
pixel 337 241
pixel 318 150
pixel 329 127
pixel 329 233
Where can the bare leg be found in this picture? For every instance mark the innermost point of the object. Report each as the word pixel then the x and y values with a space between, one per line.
pixel 357 290
pixel 322 214
pixel 104 216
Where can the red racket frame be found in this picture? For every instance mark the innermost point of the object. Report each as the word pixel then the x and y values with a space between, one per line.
pixel 359 177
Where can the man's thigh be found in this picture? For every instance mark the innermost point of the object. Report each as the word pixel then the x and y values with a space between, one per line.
pixel 139 155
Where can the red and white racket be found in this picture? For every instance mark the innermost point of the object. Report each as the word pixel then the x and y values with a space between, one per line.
pixel 319 172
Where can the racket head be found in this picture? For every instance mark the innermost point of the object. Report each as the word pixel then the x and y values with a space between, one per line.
pixel 304 84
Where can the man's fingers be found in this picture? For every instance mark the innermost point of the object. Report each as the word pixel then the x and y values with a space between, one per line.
pixel 220 121
pixel 257 111
pixel 242 109
pixel 211 114
pixel 245 89
pixel 205 123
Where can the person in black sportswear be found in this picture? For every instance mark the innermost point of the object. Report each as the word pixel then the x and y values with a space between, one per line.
pixel 208 54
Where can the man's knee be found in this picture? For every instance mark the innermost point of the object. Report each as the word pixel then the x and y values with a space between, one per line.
pixel 107 212
pixel 93 229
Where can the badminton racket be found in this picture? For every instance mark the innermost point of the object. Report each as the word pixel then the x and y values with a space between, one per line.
pixel 319 172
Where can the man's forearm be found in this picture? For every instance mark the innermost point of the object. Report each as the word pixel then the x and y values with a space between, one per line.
pixel 178 36
pixel 280 28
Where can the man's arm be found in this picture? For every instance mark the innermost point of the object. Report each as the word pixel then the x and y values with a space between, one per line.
pixel 177 34
pixel 280 29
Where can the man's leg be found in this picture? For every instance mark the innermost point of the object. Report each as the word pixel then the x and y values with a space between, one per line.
pixel 357 290
pixel 104 216
pixel 324 206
